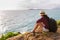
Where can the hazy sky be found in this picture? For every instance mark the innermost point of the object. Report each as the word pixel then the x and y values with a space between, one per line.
pixel 28 4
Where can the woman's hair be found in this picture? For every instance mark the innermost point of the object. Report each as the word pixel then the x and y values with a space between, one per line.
pixel 45 16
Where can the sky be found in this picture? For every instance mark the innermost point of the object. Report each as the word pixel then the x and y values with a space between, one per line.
pixel 28 4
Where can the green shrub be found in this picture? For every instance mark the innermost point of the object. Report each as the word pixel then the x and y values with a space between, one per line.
pixel 8 35
pixel 2 38
pixel 58 22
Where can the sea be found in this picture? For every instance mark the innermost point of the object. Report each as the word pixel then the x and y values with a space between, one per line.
pixel 22 20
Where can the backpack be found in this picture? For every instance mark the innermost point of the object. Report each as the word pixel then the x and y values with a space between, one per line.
pixel 52 25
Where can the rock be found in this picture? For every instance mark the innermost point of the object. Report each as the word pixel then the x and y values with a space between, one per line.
pixel 49 39
pixel 18 37
pixel 27 35
pixel 37 36
pixel 32 38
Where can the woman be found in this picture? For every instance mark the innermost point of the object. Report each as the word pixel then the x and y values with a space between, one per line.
pixel 42 24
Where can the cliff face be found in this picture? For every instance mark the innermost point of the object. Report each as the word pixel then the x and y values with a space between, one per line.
pixel 37 36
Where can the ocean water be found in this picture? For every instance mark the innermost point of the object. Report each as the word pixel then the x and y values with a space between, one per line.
pixel 22 20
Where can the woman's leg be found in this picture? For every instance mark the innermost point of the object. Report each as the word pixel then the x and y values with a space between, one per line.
pixel 38 27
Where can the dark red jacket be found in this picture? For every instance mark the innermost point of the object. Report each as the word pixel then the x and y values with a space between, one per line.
pixel 45 21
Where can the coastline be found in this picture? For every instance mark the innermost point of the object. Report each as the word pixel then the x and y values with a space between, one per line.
pixel 37 36
pixel 22 36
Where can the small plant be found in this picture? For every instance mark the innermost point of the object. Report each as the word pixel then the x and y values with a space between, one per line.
pixel 8 35
pixel 2 38
pixel 58 22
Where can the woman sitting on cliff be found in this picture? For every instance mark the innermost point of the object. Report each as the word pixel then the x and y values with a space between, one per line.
pixel 42 24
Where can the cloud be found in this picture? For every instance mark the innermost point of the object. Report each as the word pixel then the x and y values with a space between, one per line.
pixel 8 4
pixel 28 4
pixel 40 4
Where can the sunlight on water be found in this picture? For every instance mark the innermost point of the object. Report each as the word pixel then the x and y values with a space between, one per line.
pixel 2 28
